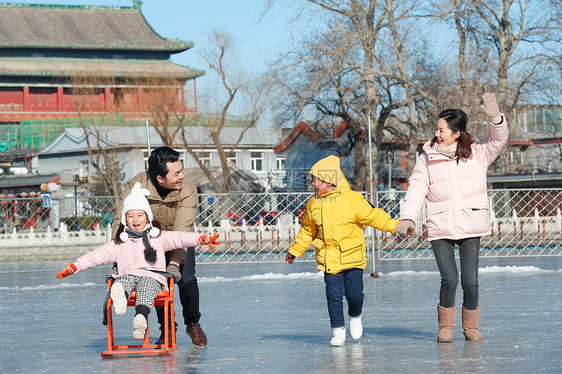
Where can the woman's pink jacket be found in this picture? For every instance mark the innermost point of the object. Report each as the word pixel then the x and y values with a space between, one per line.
pixel 456 193
pixel 129 255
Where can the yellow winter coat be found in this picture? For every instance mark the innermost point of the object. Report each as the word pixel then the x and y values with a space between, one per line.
pixel 334 221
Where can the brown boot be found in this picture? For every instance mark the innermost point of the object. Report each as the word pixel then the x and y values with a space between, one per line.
pixel 196 333
pixel 470 324
pixel 446 320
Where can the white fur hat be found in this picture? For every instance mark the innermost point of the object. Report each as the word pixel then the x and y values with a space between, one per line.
pixel 137 201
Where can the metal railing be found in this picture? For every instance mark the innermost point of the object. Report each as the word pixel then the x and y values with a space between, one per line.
pixel 524 222
pixel 34 232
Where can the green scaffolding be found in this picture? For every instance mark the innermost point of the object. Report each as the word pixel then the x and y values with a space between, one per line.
pixel 39 133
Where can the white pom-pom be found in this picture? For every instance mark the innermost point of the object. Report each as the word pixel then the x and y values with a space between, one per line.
pixel 124 236
pixel 137 190
pixel 154 232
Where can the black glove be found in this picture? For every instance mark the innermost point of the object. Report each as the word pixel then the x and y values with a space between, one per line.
pixel 112 273
pixel 174 270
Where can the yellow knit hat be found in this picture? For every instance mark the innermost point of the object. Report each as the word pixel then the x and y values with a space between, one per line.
pixel 328 170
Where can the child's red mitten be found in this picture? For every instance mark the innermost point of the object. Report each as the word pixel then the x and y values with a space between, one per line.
pixel 69 270
pixel 208 240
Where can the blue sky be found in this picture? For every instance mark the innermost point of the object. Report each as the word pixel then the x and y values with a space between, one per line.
pixel 255 40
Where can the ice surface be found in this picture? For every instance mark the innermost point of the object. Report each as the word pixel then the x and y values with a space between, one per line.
pixel 272 318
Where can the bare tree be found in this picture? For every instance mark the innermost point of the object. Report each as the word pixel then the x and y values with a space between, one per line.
pixel 96 119
pixel 162 97
pixel 252 91
pixel 337 70
pixel 329 89
pixel 403 19
pixel 511 39
pixel 359 68
pixel 112 169
pixel 498 37
pixel 365 62
pixel 171 121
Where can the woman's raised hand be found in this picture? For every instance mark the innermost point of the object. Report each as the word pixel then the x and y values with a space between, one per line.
pixel 490 107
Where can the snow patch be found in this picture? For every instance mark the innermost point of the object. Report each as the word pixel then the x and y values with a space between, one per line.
pixel 482 270
pixel 394 274
pixel 267 276
pixel 513 269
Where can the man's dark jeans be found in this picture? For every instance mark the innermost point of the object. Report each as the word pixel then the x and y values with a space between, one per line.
pixel 443 250
pixel 350 283
pixel 188 292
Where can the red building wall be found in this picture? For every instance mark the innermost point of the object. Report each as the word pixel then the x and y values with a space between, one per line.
pixel 24 103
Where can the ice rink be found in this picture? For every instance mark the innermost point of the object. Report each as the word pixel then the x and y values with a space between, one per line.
pixel 272 318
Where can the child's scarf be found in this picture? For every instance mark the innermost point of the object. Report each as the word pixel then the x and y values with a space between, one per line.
pixel 149 252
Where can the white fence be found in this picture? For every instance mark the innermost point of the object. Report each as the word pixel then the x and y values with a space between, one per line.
pixel 260 227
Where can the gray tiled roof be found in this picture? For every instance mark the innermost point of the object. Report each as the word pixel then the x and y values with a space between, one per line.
pixel 73 139
pixel 68 67
pixel 80 27
pixel 25 180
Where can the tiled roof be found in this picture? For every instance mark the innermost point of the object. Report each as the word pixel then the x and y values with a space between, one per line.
pixel 80 27
pixel 27 180
pixel 69 67
pixel 303 128
pixel 73 139
pixel 300 128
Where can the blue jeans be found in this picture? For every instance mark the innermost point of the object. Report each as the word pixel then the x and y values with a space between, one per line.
pixel 443 250
pixel 350 283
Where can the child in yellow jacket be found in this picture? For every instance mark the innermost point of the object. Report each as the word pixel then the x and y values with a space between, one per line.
pixel 333 222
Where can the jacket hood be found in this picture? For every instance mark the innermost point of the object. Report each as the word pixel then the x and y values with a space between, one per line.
pixel 328 170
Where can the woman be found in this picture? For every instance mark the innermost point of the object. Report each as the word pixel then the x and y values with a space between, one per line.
pixel 451 176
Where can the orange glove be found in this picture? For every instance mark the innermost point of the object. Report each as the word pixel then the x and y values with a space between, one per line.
pixel 68 270
pixel 208 240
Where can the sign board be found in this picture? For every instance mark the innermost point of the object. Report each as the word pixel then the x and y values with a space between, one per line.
pixel 46 197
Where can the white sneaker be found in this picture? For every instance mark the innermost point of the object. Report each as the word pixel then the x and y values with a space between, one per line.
pixel 355 327
pixel 339 337
pixel 117 294
pixel 139 325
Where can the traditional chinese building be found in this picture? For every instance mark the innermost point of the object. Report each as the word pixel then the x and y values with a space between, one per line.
pixel 58 61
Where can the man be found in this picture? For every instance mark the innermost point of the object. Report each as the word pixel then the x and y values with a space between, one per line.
pixel 173 200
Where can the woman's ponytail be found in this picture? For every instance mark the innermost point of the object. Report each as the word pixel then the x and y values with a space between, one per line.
pixel 464 143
